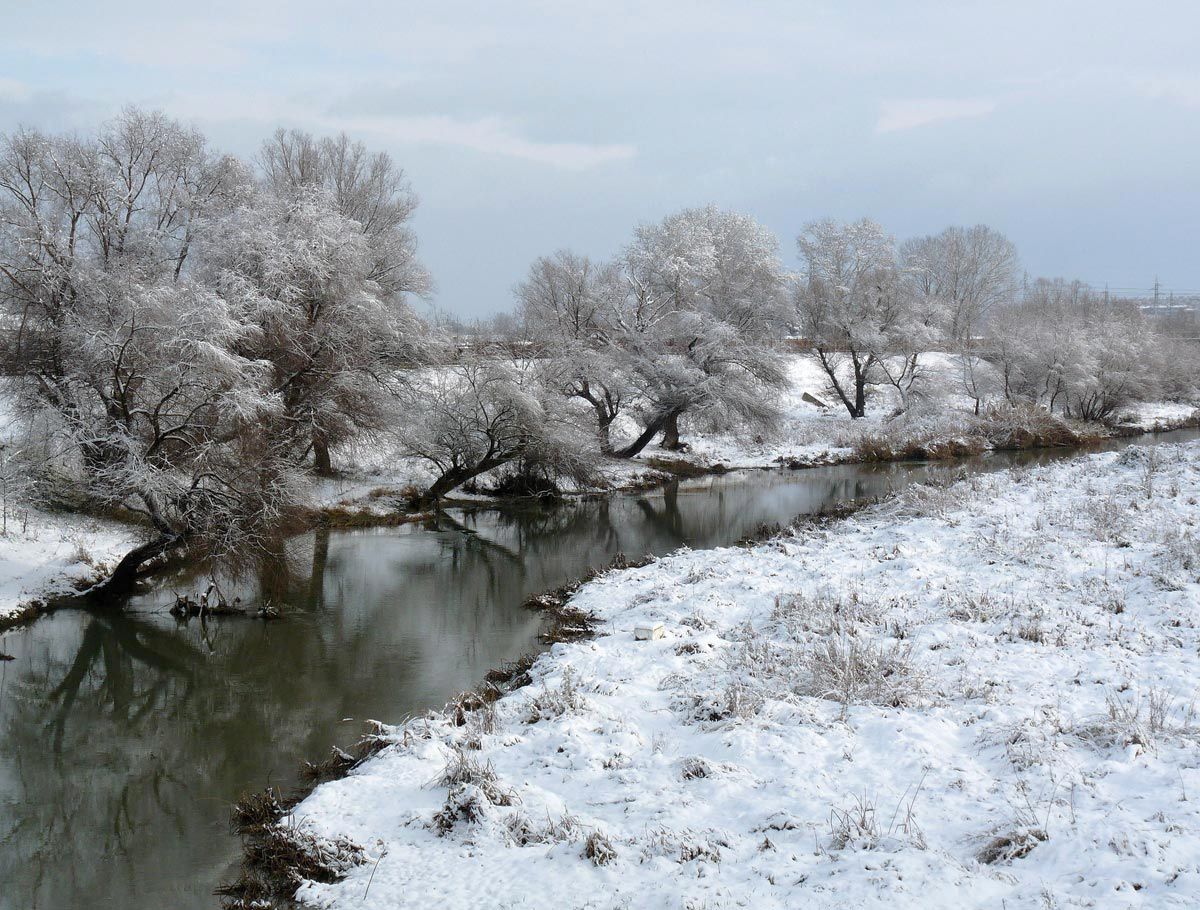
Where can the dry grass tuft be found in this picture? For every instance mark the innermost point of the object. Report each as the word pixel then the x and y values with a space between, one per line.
pixel 599 849
pixel 279 858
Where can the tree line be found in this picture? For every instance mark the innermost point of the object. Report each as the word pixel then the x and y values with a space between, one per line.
pixel 191 336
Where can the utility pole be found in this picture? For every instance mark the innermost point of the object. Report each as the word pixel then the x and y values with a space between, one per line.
pixel 1157 311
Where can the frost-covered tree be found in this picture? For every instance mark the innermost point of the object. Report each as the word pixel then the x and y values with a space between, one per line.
pixel 698 323
pixel 85 220
pixel 193 434
pixel 971 269
pixel 850 304
pixel 476 416
pixel 301 274
pixel 125 355
pixel 568 306
pixel 366 187
pixel 370 191
pixel 966 272
pixel 1067 349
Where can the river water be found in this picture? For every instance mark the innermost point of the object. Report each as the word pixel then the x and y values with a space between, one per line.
pixel 124 739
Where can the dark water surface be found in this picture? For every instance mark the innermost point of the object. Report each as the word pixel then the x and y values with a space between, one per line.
pixel 123 739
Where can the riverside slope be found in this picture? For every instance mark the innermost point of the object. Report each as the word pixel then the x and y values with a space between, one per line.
pixel 978 694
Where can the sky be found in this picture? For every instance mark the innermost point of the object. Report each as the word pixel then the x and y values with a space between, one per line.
pixel 526 127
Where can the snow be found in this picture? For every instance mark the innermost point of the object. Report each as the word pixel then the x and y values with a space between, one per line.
pixel 41 554
pixel 1159 415
pixel 1024 648
pixel 45 555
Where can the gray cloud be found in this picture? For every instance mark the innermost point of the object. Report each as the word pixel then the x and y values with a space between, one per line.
pixel 530 125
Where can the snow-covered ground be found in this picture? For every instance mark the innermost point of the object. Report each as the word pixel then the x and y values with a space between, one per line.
pixel 1152 416
pixel 43 555
pixel 976 695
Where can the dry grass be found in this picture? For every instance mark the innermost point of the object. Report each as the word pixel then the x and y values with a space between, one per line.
pixel 279 858
pixel 473 789
pixel 565 698
pixel 599 849
pixel 1001 426
pixel 849 671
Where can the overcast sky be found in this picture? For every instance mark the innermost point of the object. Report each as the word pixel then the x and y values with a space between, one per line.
pixel 529 126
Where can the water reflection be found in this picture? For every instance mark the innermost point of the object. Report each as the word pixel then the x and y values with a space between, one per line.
pixel 125 738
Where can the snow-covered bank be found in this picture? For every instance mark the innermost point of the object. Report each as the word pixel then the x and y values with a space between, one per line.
pixel 1157 416
pixel 814 429
pixel 977 695
pixel 42 556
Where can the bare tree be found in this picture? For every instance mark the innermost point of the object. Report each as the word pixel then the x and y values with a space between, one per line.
pixel 967 272
pixel 567 306
pixel 849 303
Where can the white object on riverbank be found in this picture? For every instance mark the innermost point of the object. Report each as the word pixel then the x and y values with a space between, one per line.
pixel 972 696
pixel 648 631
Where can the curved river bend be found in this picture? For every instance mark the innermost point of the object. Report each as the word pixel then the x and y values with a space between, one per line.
pixel 123 739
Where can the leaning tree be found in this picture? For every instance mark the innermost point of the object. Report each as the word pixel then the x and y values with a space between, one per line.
pixel 699 322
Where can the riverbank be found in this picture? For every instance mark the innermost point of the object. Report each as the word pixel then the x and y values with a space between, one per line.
pixel 813 430
pixel 985 688
pixel 44 556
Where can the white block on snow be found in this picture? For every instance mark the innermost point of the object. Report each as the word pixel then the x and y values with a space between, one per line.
pixel 649 632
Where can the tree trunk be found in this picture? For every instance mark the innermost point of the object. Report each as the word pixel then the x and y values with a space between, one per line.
pixel 605 415
pixel 455 477
pixel 652 429
pixel 671 434
pixel 128 570
pixel 604 421
pixel 856 408
pixel 321 463
pixel 603 432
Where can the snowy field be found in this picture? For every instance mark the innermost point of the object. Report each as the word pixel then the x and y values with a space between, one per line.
pixel 974 695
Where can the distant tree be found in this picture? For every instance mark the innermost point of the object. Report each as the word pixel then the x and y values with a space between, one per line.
pixel 966 273
pixel 699 322
pixel 850 304
pixel 1067 349
pixel 568 307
